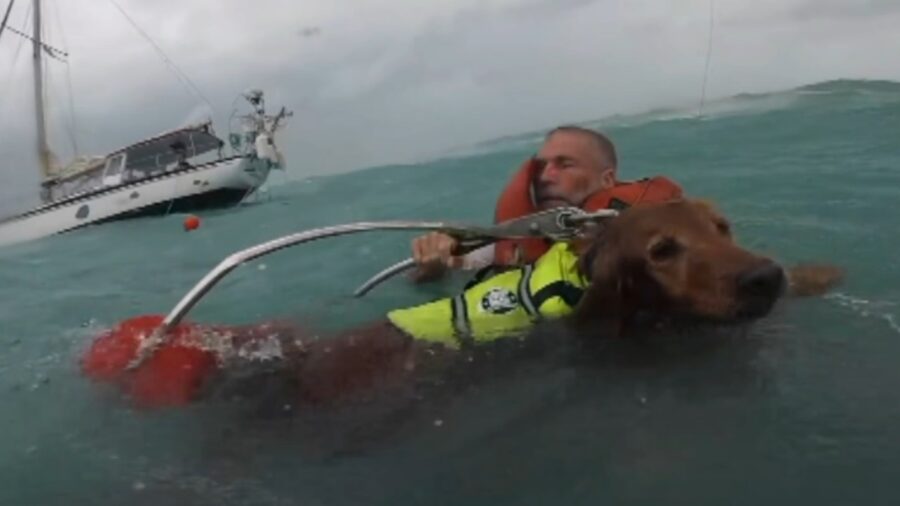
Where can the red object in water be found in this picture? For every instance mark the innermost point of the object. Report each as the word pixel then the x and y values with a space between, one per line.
pixel 191 223
pixel 172 376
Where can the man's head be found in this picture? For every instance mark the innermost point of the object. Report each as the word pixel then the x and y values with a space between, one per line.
pixel 574 163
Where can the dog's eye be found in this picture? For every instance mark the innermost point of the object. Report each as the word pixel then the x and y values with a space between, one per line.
pixel 664 248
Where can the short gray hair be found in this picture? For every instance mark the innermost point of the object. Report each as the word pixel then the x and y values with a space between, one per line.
pixel 606 146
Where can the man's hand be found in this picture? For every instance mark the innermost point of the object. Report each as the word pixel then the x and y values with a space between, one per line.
pixel 433 253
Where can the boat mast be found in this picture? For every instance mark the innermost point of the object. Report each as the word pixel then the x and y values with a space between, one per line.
pixel 40 117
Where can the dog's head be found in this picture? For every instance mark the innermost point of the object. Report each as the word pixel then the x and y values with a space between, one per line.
pixel 675 259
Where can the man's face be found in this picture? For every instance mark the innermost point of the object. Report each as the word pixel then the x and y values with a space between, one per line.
pixel 573 168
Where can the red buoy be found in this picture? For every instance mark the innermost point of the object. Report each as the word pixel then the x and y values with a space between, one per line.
pixel 191 223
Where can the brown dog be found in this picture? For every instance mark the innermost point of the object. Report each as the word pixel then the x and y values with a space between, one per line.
pixel 656 262
pixel 679 259
pixel 671 261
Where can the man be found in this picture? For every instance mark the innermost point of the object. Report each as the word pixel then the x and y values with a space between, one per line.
pixel 573 165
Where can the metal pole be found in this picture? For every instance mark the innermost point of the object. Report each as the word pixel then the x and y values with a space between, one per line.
pixel 40 115
pixel 160 335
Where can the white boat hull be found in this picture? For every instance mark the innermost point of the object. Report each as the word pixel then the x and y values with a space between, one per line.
pixel 216 184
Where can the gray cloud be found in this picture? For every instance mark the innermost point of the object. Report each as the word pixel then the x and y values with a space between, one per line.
pixel 398 80
pixel 843 9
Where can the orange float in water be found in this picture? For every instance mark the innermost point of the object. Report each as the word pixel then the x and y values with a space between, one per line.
pixel 172 376
pixel 191 223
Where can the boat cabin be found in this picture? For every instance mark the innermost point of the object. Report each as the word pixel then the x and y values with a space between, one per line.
pixel 164 154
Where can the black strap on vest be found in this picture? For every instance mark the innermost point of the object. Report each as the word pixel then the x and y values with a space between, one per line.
pixel 525 298
pixel 460 315
pixel 569 293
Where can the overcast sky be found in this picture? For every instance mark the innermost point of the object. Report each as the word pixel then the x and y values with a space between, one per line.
pixel 380 81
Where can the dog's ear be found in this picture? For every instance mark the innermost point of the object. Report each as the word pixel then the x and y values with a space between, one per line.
pixel 809 280
pixel 602 305
pixel 587 246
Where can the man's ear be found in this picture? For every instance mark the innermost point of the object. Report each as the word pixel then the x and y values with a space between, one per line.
pixel 608 177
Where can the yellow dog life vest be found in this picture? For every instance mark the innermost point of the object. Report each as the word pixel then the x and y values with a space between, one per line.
pixel 506 303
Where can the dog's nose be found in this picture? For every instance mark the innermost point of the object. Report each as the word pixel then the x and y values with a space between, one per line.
pixel 765 280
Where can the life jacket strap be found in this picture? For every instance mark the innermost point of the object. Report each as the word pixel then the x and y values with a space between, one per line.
pixel 569 293
pixel 525 292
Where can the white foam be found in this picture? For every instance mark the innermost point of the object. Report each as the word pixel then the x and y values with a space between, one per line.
pixel 867 309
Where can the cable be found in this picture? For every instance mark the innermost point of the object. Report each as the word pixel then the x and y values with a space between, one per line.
pixel 709 45
pixel 6 16
pixel 12 67
pixel 73 123
pixel 56 54
pixel 185 80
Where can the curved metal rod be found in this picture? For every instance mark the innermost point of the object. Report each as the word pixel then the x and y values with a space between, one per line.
pixel 464 247
pixel 236 259
pixel 384 275
pixel 152 342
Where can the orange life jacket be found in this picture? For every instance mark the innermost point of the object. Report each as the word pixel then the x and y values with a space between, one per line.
pixel 517 200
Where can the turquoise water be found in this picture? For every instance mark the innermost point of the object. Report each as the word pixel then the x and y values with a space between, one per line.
pixel 801 408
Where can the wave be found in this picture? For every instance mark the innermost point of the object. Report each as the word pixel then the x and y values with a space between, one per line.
pixel 860 86
pixel 810 95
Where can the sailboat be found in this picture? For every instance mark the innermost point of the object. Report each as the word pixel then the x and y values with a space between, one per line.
pixel 184 169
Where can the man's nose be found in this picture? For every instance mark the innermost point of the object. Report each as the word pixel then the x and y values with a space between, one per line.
pixel 548 173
